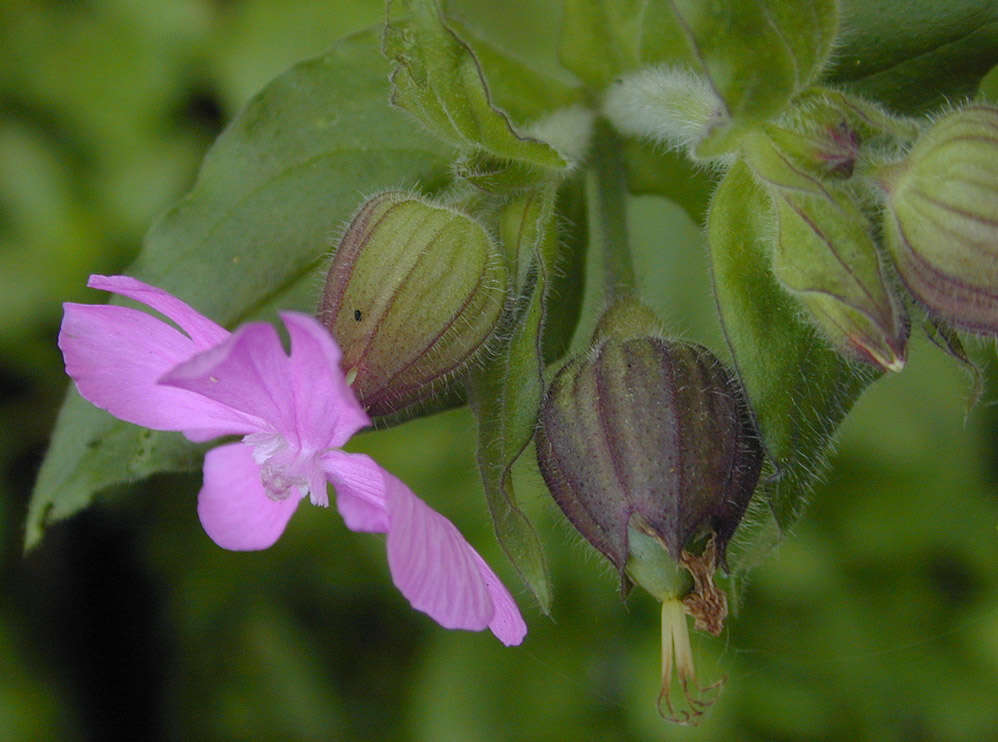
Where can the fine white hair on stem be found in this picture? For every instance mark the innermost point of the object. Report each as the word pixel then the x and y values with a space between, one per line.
pixel 669 105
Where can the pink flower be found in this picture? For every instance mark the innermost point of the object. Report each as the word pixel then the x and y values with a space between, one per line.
pixel 294 413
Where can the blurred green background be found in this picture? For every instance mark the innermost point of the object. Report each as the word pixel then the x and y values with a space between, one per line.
pixel 876 619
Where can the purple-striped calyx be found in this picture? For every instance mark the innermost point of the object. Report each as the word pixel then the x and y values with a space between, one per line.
pixel 647 446
pixel 412 296
pixel 941 218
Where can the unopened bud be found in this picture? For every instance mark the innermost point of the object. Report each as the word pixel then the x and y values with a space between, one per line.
pixel 648 433
pixel 669 105
pixel 647 446
pixel 412 295
pixel 828 133
pixel 825 256
pixel 941 218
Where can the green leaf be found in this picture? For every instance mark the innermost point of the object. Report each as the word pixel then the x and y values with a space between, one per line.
pixel 254 234
pixel 437 78
pixel 755 55
pixel 519 89
pixel 798 388
pixel 91 451
pixel 600 38
pixel 529 39
pixel 915 55
pixel 506 394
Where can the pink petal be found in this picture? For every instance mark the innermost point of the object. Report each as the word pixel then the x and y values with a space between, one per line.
pixel 507 623
pixel 233 506
pixel 441 574
pixel 303 397
pixel 360 490
pixel 247 372
pixel 117 354
pixel 324 402
pixel 199 328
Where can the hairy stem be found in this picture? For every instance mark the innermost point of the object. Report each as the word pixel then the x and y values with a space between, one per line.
pixel 606 184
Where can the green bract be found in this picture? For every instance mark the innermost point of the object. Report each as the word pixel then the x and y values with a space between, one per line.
pixel 437 78
pixel 941 218
pixel 506 391
pixel 799 389
pixel 413 293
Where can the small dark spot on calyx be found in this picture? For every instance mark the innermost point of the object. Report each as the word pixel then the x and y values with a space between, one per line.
pixel 358 315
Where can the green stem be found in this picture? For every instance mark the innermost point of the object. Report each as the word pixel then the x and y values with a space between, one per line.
pixel 606 185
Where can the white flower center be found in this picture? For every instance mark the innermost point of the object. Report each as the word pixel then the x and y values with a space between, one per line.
pixel 287 470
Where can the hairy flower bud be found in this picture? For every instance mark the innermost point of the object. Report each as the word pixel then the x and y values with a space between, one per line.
pixel 827 133
pixel 413 293
pixel 649 433
pixel 825 256
pixel 647 446
pixel 941 218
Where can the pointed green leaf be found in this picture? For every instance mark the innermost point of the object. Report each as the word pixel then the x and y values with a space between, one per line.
pixel 506 394
pixel 91 451
pixel 600 38
pixel 254 234
pixel 915 55
pixel 798 388
pixel 436 77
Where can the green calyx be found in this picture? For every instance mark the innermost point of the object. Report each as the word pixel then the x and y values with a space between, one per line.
pixel 824 254
pixel 413 294
pixel 941 218
pixel 650 439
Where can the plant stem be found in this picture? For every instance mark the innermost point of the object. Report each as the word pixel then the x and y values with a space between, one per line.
pixel 606 183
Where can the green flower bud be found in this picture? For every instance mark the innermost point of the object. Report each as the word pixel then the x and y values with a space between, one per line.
pixel 412 295
pixel 825 149
pixel 825 256
pixel 827 133
pixel 941 218
pixel 649 433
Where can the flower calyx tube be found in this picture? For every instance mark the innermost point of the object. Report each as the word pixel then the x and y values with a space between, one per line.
pixel 647 446
pixel 412 296
pixel 941 218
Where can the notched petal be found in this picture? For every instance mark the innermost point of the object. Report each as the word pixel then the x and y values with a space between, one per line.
pixel 201 330
pixel 116 356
